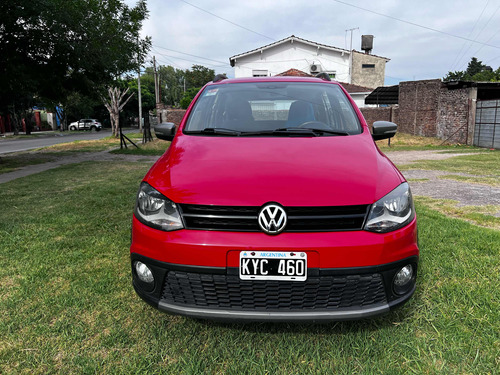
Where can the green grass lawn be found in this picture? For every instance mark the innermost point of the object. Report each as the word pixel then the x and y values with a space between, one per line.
pixel 407 142
pixel 154 148
pixel 94 145
pixel 67 304
pixel 486 164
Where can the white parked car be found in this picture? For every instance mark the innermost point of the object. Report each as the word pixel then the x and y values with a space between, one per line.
pixel 86 124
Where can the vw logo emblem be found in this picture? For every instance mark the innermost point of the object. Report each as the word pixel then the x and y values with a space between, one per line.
pixel 272 219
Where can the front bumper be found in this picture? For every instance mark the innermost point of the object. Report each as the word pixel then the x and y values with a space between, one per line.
pixel 327 295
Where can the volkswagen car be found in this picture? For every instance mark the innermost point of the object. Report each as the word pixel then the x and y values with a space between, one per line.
pixel 273 203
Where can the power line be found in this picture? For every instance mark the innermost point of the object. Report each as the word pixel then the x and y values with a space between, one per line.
pixel 188 54
pixel 188 60
pixel 491 37
pixel 164 59
pixel 231 22
pixel 486 24
pixel 457 59
pixel 416 24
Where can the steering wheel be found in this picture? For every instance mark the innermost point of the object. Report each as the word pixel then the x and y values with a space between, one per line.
pixel 316 125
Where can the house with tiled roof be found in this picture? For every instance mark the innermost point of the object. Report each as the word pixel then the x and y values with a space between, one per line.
pixel 358 93
pixel 362 69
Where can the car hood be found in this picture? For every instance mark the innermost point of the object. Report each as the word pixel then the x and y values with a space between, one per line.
pixel 292 171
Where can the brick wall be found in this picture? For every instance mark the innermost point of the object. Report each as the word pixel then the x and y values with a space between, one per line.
pixel 372 114
pixel 418 107
pixel 454 119
pixel 175 115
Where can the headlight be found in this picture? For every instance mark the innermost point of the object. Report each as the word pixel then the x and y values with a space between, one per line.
pixel 391 212
pixel 155 210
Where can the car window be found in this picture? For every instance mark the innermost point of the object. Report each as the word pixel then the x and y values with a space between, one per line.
pixel 267 106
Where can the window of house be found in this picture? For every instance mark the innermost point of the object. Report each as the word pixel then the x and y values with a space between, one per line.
pixel 368 66
pixel 259 73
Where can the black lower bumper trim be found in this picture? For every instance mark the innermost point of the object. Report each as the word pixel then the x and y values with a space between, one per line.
pixel 274 316
pixel 223 311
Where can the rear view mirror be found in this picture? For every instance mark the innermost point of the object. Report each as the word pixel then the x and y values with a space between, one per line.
pixel 383 130
pixel 165 131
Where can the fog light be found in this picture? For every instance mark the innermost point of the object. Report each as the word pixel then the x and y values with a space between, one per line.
pixel 402 280
pixel 144 273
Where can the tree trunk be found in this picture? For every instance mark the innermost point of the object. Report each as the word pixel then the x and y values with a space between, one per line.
pixel 15 121
pixel 114 105
pixel 115 123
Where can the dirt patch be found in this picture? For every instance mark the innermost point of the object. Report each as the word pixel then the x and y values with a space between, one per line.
pixel 467 194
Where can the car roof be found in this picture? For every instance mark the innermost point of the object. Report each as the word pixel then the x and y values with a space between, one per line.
pixel 272 79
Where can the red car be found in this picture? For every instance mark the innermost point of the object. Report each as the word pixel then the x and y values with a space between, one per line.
pixel 273 203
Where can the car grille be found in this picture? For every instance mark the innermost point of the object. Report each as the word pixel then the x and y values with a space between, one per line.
pixel 300 219
pixel 229 292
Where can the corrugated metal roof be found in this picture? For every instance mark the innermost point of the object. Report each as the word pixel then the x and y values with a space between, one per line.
pixel 384 95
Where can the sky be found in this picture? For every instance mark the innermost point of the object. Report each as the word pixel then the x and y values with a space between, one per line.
pixel 435 37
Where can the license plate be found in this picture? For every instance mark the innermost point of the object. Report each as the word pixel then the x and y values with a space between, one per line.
pixel 273 265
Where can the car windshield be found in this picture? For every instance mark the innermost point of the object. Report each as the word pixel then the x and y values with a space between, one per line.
pixel 273 108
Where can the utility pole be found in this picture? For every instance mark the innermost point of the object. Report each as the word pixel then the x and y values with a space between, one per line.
pixel 156 80
pixel 139 98
pixel 350 54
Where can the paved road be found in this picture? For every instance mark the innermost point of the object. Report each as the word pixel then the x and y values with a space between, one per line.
pixel 51 138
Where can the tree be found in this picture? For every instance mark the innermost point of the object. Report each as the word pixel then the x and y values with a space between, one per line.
pixel 198 76
pixel 475 66
pixel 172 82
pixel 455 76
pixel 476 71
pixel 114 104
pixel 54 48
pixel 147 95
pixel 189 96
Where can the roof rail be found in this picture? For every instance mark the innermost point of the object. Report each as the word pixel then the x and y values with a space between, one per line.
pixel 324 76
pixel 219 77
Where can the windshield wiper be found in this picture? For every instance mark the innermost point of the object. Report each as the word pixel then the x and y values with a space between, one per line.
pixel 216 131
pixel 295 132
pixel 327 131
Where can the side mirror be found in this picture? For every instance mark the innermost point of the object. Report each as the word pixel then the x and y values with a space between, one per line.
pixel 383 130
pixel 165 131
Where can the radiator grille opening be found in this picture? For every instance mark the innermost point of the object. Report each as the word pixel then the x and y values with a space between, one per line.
pixel 300 219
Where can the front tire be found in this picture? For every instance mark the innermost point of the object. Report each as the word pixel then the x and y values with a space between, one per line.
pixel 72 127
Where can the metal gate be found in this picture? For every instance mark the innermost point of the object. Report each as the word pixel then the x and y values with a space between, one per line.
pixel 487 129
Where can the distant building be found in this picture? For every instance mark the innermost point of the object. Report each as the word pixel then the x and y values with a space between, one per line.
pixel 296 53
pixel 458 111
pixel 358 93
